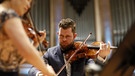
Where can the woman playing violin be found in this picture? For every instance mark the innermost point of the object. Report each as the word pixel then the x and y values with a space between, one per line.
pixel 55 56
pixel 37 37
pixel 14 43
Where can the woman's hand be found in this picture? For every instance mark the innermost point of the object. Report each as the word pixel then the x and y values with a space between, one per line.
pixel 39 38
pixel 42 35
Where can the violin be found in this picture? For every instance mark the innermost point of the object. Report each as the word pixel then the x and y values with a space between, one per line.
pixel 31 31
pixel 84 52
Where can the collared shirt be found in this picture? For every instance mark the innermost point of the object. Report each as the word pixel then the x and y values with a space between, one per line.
pixel 68 66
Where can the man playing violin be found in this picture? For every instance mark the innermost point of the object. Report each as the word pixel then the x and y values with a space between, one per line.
pixel 55 56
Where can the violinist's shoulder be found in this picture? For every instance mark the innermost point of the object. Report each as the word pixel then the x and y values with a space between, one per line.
pixel 53 49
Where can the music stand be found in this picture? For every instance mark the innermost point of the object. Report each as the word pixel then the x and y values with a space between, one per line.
pixel 122 62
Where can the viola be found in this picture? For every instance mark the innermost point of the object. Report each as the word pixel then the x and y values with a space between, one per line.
pixel 31 31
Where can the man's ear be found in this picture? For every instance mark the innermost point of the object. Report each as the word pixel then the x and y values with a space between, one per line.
pixel 75 35
pixel 57 33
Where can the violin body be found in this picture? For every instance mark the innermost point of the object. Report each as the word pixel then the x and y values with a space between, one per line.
pixel 28 29
pixel 84 52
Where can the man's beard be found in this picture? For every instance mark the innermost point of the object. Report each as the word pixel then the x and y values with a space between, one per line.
pixel 68 47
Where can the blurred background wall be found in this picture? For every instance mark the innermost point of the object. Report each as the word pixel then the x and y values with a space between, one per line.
pixel 108 20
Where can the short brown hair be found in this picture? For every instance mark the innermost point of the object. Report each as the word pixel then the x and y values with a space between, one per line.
pixel 67 23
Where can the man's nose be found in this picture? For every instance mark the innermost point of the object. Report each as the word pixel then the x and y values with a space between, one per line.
pixel 64 38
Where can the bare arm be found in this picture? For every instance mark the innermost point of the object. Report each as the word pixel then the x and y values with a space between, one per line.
pixel 15 31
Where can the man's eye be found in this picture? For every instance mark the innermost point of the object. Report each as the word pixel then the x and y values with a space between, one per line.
pixel 67 36
pixel 61 36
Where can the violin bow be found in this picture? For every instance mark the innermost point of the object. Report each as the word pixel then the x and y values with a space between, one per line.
pixel 74 54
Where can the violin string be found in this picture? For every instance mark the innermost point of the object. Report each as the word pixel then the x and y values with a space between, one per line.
pixel 73 54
